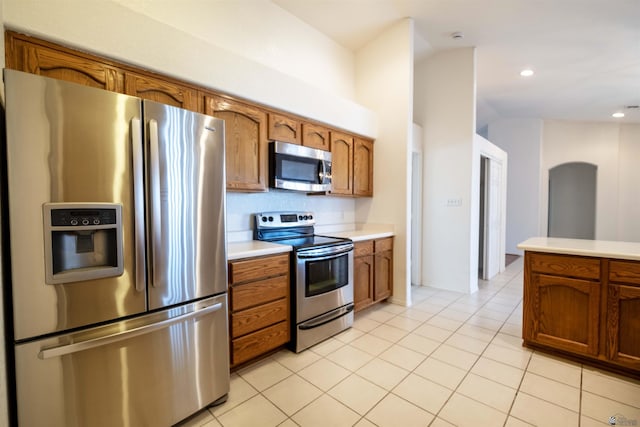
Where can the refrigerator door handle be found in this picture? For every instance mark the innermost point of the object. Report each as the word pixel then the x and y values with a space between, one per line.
pixel 156 203
pixel 121 336
pixel 138 202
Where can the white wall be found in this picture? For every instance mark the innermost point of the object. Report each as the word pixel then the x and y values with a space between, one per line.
pixel 534 146
pixel 629 180
pixel 445 108
pixel 286 43
pixel 596 143
pixel 384 84
pixel 522 140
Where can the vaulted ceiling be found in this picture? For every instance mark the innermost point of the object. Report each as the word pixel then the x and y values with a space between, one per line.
pixel 585 54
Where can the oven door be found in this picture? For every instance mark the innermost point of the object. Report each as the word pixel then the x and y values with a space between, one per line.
pixel 324 280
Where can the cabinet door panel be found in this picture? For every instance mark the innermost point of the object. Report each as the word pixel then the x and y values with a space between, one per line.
pixel 284 128
pixel 245 142
pixel 363 248
pixel 363 273
pixel 627 272
pixel 259 317
pixel 259 268
pixel 253 345
pixel 260 292
pixel 383 283
pixel 363 168
pixel 49 62
pixel 341 163
pixel 623 325
pixel 315 136
pixel 566 313
pixel 584 268
pixel 163 91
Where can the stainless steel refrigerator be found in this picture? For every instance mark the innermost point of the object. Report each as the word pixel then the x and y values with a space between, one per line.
pixel 116 210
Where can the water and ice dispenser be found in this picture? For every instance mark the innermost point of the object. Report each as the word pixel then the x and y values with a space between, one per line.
pixel 83 241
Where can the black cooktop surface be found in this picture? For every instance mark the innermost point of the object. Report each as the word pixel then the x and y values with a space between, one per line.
pixel 311 241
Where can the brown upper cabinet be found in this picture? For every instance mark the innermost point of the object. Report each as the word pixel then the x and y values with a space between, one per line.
pixel 363 167
pixel 284 128
pixel 248 127
pixel 49 60
pixel 245 142
pixel 162 90
pixel 352 165
pixel 341 163
pixel 315 136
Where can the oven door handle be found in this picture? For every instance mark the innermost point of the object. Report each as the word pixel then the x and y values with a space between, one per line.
pixel 326 318
pixel 324 253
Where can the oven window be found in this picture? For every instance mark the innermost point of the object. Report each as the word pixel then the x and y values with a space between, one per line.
pixel 326 275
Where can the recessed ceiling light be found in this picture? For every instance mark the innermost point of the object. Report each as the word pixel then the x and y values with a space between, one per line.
pixel 617 115
pixel 526 72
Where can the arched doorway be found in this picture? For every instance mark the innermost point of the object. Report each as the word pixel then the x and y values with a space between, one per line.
pixel 572 201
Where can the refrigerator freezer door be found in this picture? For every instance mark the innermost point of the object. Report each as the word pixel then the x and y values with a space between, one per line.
pixel 187 236
pixel 154 370
pixel 67 143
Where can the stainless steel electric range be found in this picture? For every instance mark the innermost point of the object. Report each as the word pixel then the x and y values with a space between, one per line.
pixel 321 276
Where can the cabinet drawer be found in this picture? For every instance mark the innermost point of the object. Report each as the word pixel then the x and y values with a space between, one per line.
pixel 260 292
pixel 258 343
pixel 624 272
pixel 585 268
pixel 259 317
pixel 363 248
pixel 384 244
pixel 258 268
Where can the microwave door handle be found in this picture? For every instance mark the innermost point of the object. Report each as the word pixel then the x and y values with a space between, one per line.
pixel 138 202
pixel 322 172
pixel 156 214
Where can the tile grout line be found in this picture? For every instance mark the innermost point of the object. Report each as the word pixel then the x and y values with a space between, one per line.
pixel 468 371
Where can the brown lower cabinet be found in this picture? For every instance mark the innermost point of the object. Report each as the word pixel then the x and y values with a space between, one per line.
pixel 585 307
pixel 258 306
pixel 372 272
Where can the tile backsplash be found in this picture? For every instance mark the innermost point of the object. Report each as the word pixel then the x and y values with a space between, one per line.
pixel 329 211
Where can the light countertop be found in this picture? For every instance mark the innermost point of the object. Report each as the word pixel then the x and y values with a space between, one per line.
pixel 595 248
pixel 359 235
pixel 253 248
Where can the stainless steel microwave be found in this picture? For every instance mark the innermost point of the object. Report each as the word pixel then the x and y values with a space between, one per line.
pixel 299 168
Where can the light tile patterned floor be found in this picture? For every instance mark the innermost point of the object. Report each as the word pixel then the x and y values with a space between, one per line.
pixel 449 360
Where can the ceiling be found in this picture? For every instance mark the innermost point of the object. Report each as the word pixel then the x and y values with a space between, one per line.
pixel 585 53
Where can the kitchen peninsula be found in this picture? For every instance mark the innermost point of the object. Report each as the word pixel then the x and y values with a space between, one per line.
pixel 582 300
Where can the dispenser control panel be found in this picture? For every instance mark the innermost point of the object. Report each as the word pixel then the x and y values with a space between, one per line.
pixel 82 217
pixel 83 241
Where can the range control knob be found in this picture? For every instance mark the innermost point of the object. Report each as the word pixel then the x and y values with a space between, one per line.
pixel 264 219
pixel 300 217
pixel 74 221
pixel 96 221
pixel 85 222
pixel 270 219
pixel 310 216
